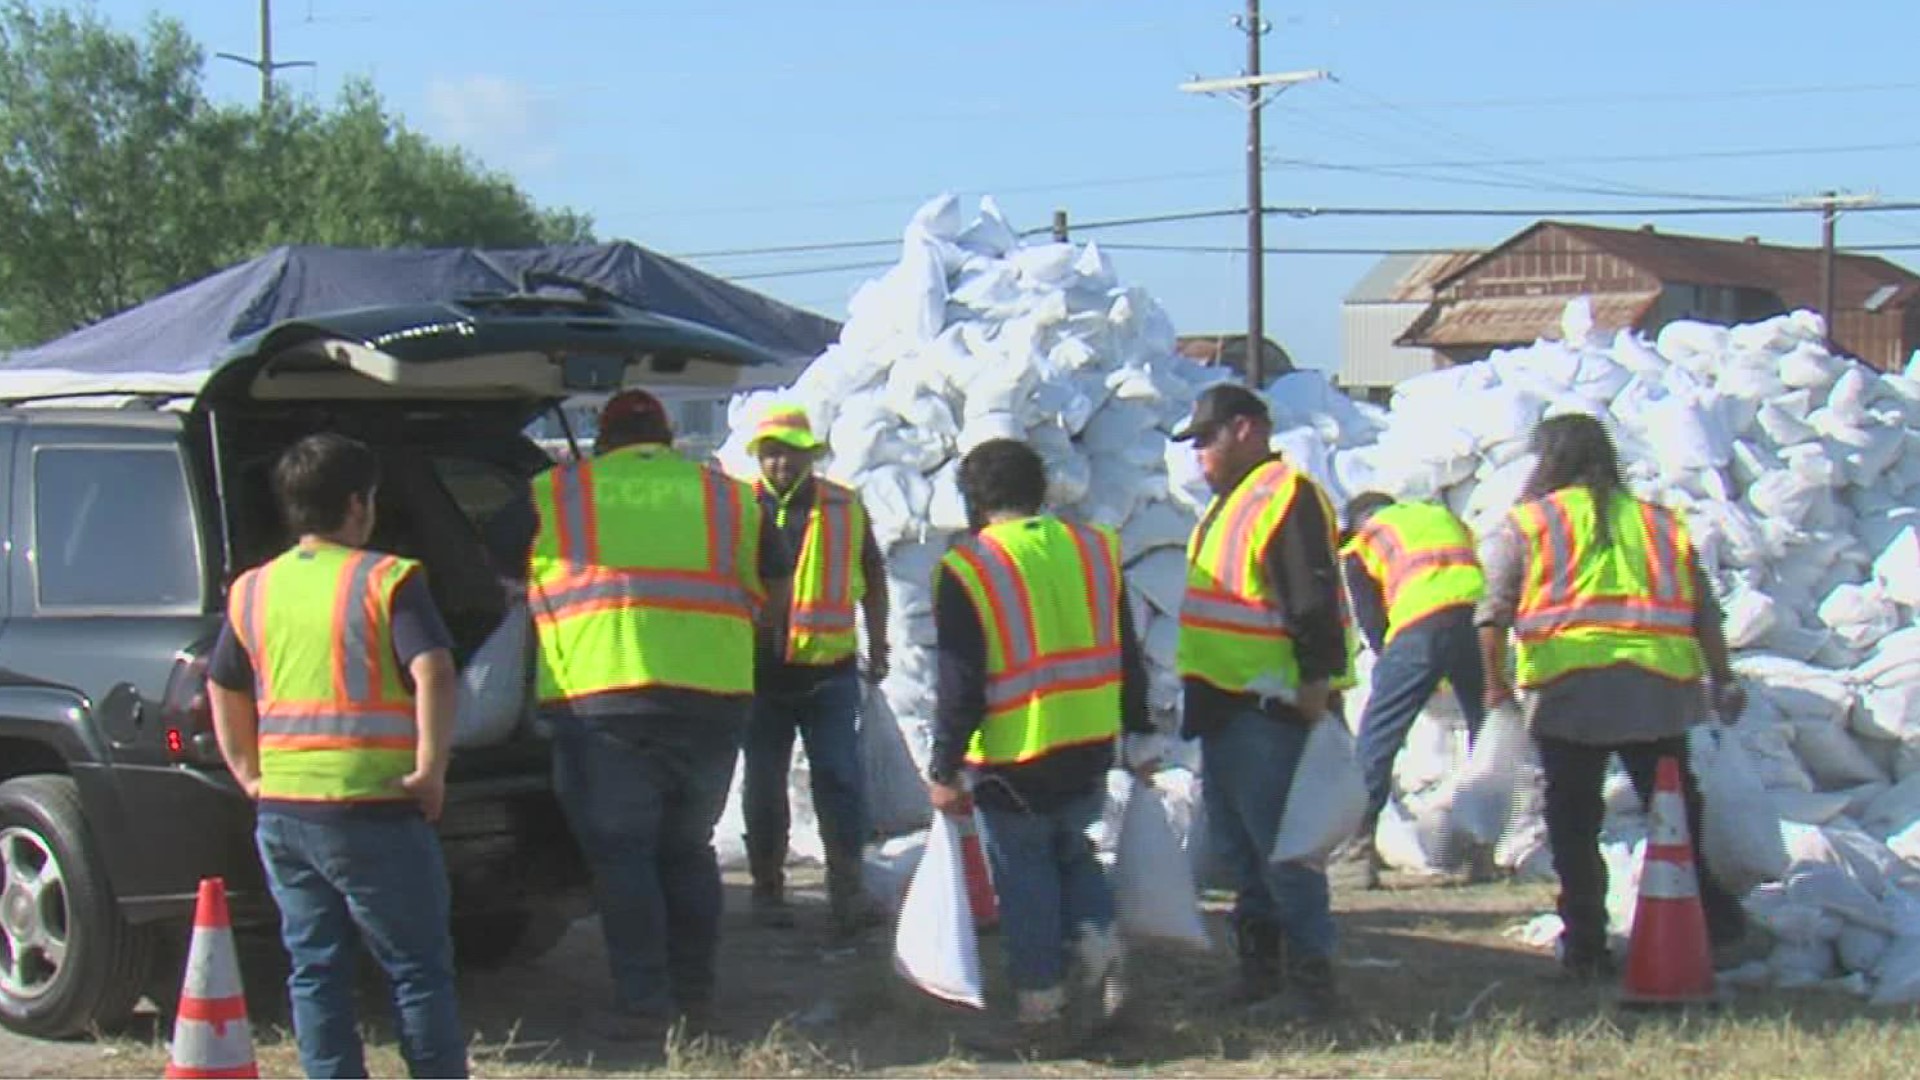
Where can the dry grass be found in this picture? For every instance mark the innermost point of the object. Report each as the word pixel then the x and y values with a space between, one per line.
pixel 1433 987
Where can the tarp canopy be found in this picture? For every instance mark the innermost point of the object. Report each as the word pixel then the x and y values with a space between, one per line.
pixel 170 343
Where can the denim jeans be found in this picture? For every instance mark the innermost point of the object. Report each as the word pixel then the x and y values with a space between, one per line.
pixel 1249 763
pixel 1442 645
pixel 379 880
pixel 642 798
pixel 1576 806
pixel 823 712
pixel 1049 884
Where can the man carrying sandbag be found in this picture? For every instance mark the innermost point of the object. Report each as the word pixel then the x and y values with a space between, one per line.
pixel 1412 578
pixel 1614 627
pixel 645 579
pixel 805 675
pixel 1261 640
pixel 1039 671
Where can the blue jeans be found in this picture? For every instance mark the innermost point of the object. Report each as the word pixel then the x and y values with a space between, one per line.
pixel 1443 645
pixel 642 798
pixel 1249 765
pixel 824 714
pixel 382 881
pixel 1050 886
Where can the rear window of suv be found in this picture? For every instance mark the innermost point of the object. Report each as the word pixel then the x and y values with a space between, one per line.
pixel 113 529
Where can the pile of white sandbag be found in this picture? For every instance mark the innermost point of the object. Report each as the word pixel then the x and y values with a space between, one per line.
pixel 1797 472
pixel 976 335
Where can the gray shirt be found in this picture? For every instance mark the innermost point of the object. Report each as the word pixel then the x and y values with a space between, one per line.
pixel 1604 707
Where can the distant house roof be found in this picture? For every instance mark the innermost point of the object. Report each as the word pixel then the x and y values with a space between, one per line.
pixel 1502 320
pixel 1230 350
pixel 1399 279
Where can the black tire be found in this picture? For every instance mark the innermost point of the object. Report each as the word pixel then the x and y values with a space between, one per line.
pixel 98 978
pixel 497 938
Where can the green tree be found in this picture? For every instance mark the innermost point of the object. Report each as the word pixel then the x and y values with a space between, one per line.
pixel 119 179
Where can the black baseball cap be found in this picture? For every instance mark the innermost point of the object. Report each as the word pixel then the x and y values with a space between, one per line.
pixel 1217 405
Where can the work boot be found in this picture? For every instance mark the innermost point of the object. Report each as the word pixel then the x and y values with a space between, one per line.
pixel 1310 996
pixel 852 910
pixel 1262 956
pixel 770 907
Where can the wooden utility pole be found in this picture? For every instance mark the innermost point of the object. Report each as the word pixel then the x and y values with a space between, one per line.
pixel 1256 90
pixel 1830 204
pixel 265 63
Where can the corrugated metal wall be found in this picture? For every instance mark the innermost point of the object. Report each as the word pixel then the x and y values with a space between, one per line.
pixel 1368 356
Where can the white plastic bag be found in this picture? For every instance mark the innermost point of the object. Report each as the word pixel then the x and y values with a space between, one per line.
pixel 1153 887
pixel 493 686
pixel 1328 799
pixel 935 946
pixel 896 797
pixel 1483 800
pixel 1739 826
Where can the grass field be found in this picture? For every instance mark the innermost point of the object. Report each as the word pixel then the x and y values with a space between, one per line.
pixel 1432 989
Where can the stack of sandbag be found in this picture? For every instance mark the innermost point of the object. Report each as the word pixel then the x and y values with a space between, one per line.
pixel 974 335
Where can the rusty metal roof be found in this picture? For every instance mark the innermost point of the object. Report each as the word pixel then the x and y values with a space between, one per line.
pixel 1398 279
pixel 1494 321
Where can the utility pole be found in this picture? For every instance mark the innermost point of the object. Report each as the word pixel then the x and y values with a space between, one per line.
pixel 1830 204
pixel 1059 226
pixel 1256 90
pixel 265 63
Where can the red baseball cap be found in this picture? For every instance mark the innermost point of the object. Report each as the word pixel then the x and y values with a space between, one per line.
pixel 632 405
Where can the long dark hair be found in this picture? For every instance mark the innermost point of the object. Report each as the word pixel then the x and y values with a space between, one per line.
pixel 1575 450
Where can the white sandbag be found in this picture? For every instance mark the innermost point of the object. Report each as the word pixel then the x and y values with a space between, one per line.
pixel 1750 616
pixel 1161 576
pixel 1810 367
pixel 1860 949
pixel 887 868
pixel 1153 887
pixel 1888 713
pixel 1327 800
pixel 1897 568
pixel 492 697
pixel 1808 807
pixel 1894 809
pixel 1154 525
pixel 936 946
pixel 1858 614
pixel 1831 755
pixel 1900 974
pixel 1739 825
pixel 1483 799
pixel 896 797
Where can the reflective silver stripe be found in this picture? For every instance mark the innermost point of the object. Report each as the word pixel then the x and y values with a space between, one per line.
pixel 640 587
pixel 356 638
pixel 1669 816
pixel 1663 880
pixel 1003 594
pixel 1004 690
pixel 836 523
pixel 1626 614
pixel 571 490
pixel 724 532
pixel 1094 551
pixel 821 621
pixel 1228 613
pixel 374 725
pixel 1666 553
pixel 1559 542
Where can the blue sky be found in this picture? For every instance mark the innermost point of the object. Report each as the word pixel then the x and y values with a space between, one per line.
pixel 695 126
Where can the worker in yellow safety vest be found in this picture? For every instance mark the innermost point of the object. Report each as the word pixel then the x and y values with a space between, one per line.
pixel 1261 645
pixel 645 581
pixel 806 675
pixel 332 686
pixel 1614 630
pixel 1412 579
pixel 1039 674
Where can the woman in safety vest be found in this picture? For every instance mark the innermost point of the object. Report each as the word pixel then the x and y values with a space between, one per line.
pixel 1039 671
pixel 1614 629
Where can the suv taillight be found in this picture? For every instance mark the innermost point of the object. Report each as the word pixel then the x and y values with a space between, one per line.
pixel 187 714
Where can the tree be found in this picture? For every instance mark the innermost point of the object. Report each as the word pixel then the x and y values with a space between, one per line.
pixel 119 179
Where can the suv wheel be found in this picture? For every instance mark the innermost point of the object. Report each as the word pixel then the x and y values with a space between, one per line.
pixel 497 938
pixel 68 961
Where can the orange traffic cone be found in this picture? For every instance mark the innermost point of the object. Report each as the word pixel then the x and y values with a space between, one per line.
pixel 1668 959
pixel 980 896
pixel 211 1036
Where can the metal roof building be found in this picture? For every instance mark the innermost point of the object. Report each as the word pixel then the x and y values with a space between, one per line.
pixel 1378 310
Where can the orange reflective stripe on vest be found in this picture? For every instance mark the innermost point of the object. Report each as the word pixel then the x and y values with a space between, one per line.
pixel 1423 558
pixel 1231 634
pixel 828 578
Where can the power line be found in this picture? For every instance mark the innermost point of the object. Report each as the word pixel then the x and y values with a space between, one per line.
pixel 1227 249
pixel 789 249
pixel 808 271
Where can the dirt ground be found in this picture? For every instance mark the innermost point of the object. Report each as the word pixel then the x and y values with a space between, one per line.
pixel 1432 988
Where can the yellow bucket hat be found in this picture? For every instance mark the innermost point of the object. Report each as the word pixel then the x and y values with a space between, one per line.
pixel 787 424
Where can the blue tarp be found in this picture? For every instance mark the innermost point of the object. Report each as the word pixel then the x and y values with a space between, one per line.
pixel 183 333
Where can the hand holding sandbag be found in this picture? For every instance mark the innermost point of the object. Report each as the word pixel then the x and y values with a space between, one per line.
pixel 1483 800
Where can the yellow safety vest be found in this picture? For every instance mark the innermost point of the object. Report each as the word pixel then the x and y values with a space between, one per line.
pixel 644 573
pixel 1423 558
pixel 829 578
pixel 1586 606
pixel 1231 635
pixel 336 717
pixel 1048 596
